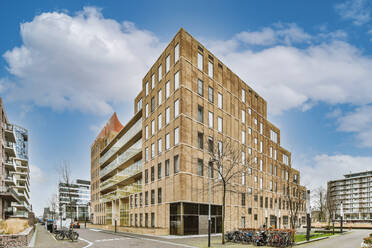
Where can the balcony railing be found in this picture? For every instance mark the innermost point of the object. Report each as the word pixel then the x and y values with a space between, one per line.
pixel 135 129
pixel 120 193
pixel 122 158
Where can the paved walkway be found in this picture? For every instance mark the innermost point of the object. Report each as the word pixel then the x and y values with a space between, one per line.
pixel 46 240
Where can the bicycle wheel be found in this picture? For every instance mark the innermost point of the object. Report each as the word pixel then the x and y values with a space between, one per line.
pixel 60 236
pixel 75 236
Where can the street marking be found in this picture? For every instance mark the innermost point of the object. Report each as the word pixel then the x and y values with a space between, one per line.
pixel 114 239
pixel 89 243
pixel 95 230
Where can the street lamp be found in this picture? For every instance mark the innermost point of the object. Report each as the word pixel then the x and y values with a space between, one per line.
pixel 266 217
pixel 308 219
pixel 210 200
pixel 342 215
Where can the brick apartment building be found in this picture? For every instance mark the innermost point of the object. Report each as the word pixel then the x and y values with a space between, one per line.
pixel 150 176
pixel 15 174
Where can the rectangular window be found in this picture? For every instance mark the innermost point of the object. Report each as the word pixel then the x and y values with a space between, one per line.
pixel 271 185
pixel 146 198
pixel 200 87
pixel 139 105
pixel 159 195
pixel 249 210
pixel 146 154
pixel 261 128
pixel 261 201
pixel 146 176
pixel 285 159
pixel 261 146
pixel 243 158
pixel 141 219
pixel 159 97
pixel 210 94
pixel 167 115
pixel 160 143
pixel 220 147
pixel 176 52
pixel 210 119
pixel 219 100
pixel 152 127
pixel 243 199
pixel 152 81
pixel 275 157
pixel 160 121
pixel 167 63
pixel 250 131
pixel 200 61
pixel 261 165
pixel 243 178
pixel 176 164
pixel 249 191
pixel 219 124
pixel 159 171
pixel 176 136
pixel 140 199
pixel 147 110
pixel 146 88
pixel 152 197
pixel 146 132
pixel 249 111
pixel 210 166
pixel 200 167
pixel 152 104
pixel 210 69
pixel 167 141
pixel 266 202
pixel 261 183
pixel 243 137
pixel 152 173
pixel 167 167
pixel 255 121
pixel 176 80
pixel 255 217
pixel 273 136
pixel 200 114
pixel 243 116
pixel 210 144
pixel 160 71
pixel 271 151
pixel 243 95
pixel 176 108
pixel 146 219
pixel 152 150
pixel 200 140
pixel 152 219
pixel 167 90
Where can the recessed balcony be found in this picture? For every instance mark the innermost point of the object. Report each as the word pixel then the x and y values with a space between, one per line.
pixel 10 181
pixel 9 132
pixel 9 164
pixel 10 148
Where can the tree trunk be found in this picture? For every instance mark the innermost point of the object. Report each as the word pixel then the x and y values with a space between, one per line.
pixel 223 213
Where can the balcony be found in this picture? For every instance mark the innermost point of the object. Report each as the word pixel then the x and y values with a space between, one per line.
pixel 20 206
pixel 128 172
pixel 9 164
pixel 9 132
pixel 10 181
pixel 10 148
pixel 122 158
pixel 9 194
pixel 120 193
pixel 135 129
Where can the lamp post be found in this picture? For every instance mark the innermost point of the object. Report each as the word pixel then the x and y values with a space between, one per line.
pixel 266 217
pixel 210 200
pixel 308 212
pixel 342 215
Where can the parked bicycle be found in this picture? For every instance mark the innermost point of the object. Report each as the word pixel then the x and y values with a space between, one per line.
pixel 69 234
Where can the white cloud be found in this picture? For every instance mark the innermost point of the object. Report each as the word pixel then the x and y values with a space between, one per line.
pixel 36 174
pixel 84 62
pixel 358 121
pixel 359 11
pixel 324 168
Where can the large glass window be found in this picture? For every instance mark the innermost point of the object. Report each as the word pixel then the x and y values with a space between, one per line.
pixel 152 150
pixel 159 170
pixel 159 195
pixel 152 127
pixel 152 173
pixel 152 104
pixel 160 144
pixel 243 95
pixel 146 88
pixel 152 197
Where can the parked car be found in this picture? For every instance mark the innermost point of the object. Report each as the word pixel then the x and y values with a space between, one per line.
pixel 50 225
pixel 75 224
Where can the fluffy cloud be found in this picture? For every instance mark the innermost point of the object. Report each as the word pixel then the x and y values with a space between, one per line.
pixel 83 62
pixel 359 11
pixel 324 168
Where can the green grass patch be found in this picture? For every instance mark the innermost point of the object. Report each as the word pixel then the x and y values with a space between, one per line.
pixel 302 237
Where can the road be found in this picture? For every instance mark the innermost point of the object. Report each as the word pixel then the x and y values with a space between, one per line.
pixel 348 240
pixel 99 239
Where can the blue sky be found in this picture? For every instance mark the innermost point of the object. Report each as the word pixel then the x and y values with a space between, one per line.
pixel 65 66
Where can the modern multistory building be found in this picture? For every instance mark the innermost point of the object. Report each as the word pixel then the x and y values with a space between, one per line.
pixel 14 176
pixel 354 194
pixel 151 173
pixel 74 200
pixel 108 133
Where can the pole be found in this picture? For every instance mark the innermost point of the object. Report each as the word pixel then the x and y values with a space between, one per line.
pixel 209 211
pixel 115 225
pixel 342 215
pixel 308 219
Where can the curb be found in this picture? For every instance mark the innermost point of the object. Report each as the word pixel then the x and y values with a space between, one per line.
pixel 311 240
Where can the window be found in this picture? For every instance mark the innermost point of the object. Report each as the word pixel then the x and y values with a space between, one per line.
pixel 219 100
pixel 243 178
pixel 271 169
pixel 176 108
pixel 200 114
pixel 261 201
pixel 261 165
pixel 147 110
pixel 159 97
pixel 255 141
pixel 146 88
pixel 210 69
pixel 152 219
pixel 249 111
pixel 146 176
pixel 271 151
pixel 160 143
pixel 176 80
pixel 275 157
pixel 159 121
pixel 273 136
pixel 167 167
pixel 146 154
pixel 159 73
pixel 167 90
pixel 200 87
pixel 210 119
pixel 210 94
pixel 250 171
pixel 219 124
pixel 200 167
pixel 249 191
pixel 243 158
pixel 243 116
pixel 276 170
pixel 261 146
pixel 210 144
pixel 152 197
pixel 255 160
pixel 152 127
pixel 243 137
pixel 220 147
pixel 152 173
pixel 271 185
pixel 176 52
pixel 167 141
pixel 152 81
pixel 200 61
pixel 261 128
pixel 243 199
pixel 210 166
pixel 139 105
pixel 146 219
pixel 146 198
pixel 167 63
pixel 285 159
pixel 200 140
pixel 249 131
pixel 140 199
pixel 249 210
pixel 266 202
pixel 152 150
pixel 159 195
pixel 152 104
pixel 141 219
pixel 255 217
pixel 146 132
pixel 261 183
pixel 243 95
pixel 167 116
pixel 220 172
pixel 255 121
pixel 176 164
pixel 176 136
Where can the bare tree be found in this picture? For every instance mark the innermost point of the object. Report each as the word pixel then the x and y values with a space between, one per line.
pixel 66 180
pixel 320 202
pixel 331 206
pixel 53 206
pixel 228 162
pixel 295 197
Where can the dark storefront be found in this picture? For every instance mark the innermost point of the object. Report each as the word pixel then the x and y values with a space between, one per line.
pixel 191 218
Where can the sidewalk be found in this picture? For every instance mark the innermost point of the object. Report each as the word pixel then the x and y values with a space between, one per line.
pixel 46 240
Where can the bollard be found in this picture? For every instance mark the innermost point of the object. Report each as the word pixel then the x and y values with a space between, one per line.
pixel 115 226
